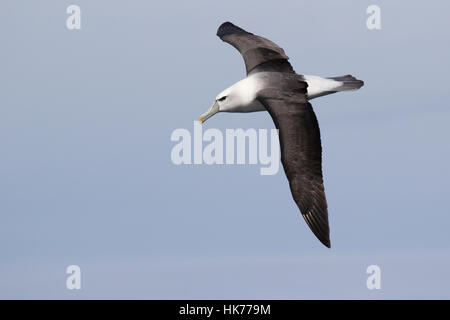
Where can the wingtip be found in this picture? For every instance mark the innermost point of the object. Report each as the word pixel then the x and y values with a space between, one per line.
pixel 319 227
pixel 325 241
pixel 229 28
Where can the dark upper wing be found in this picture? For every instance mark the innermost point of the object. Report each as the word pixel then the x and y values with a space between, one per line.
pixel 260 54
pixel 301 155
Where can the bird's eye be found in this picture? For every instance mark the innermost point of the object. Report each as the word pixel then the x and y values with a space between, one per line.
pixel 223 98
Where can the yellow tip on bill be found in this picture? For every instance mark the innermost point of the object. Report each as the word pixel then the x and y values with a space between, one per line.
pixel 200 120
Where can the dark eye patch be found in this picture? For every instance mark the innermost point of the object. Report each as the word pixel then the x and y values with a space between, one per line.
pixel 223 98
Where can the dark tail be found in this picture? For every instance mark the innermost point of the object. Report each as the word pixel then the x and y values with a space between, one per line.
pixel 349 82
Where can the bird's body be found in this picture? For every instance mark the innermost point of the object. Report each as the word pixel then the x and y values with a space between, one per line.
pixel 272 85
pixel 247 89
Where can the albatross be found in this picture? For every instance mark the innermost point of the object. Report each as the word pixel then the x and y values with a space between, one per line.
pixel 272 85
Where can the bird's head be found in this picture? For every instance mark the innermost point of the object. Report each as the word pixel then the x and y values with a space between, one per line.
pixel 229 100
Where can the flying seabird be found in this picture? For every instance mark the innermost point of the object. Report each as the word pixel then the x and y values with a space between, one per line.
pixel 272 85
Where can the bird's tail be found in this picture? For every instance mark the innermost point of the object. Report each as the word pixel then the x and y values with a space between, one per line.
pixel 349 82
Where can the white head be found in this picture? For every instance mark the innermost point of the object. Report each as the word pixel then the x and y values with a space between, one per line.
pixel 233 99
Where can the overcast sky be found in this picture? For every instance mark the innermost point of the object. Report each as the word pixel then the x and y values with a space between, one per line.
pixel 86 176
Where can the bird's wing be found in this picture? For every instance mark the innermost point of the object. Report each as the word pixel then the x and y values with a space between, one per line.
pixel 260 54
pixel 301 155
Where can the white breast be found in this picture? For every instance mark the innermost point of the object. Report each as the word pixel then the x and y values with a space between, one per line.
pixel 242 95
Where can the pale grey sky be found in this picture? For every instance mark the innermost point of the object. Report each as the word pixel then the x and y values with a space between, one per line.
pixel 86 176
